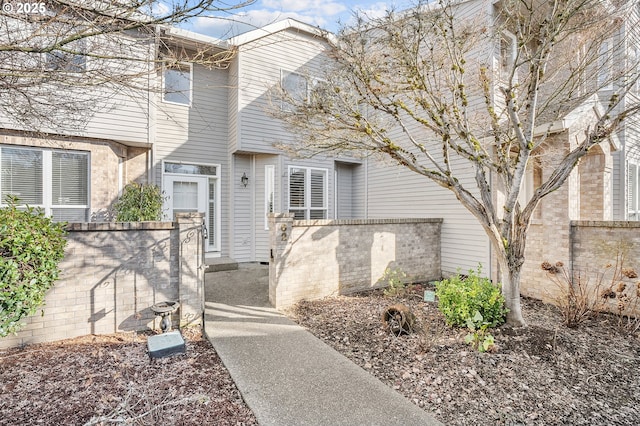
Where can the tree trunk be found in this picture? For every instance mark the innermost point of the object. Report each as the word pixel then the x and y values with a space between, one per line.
pixel 511 293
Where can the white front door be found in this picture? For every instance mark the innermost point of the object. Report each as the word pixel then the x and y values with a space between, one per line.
pixel 192 194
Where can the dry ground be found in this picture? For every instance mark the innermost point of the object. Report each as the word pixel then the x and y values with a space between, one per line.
pixel 545 374
pixel 100 380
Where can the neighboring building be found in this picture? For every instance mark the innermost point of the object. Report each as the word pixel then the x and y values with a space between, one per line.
pixel 603 187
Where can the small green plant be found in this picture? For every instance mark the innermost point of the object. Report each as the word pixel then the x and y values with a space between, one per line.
pixel 478 337
pixel 139 203
pixel 31 246
pixel 395 280
pixel 460 297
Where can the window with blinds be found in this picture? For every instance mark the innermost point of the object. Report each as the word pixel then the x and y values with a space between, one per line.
pixel 57 181
pixel 308 193
pixel 21 175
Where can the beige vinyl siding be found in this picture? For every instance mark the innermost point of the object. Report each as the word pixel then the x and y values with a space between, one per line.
pixel 261 64
pixel 396 192
pixel 198 134
pixel 242 214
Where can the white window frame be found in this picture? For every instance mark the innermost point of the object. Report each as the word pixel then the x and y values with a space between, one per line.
pixel 307 191
pixel 216 246
pixel 605 66
pixel 67 62
pixel 505 65
pixel 47 180
pixel 285 106
pixel 179 66
pixel 269 193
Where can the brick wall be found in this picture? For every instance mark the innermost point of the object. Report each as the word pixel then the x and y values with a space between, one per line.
pixel 113 273
pixel 605 253
pixel 315 259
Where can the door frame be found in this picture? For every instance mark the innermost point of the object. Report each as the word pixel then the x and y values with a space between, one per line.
pixel 204 180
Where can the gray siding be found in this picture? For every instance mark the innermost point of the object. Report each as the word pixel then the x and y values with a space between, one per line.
pixel 242 214
pixel 261 63
pixel 198 134
pixel 121 112
pixel 395 192
pixel 347 191
pixel 234 130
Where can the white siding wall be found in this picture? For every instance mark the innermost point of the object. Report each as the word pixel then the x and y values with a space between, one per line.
pixel 396 192
pixel 198 134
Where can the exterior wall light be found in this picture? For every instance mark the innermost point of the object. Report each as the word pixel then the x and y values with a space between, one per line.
pixel 244 179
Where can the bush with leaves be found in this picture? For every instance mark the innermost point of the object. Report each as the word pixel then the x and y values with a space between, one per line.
pixel 31 246
pixel 395 281
pixel 459 298
pixel 139 203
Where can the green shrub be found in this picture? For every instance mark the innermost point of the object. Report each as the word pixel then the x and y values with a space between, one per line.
pixel 139 203
pixel 395 280
pixel 31 246
pixel 460 298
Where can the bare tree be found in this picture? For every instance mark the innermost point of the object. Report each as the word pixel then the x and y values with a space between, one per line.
pixel 63 60
pixel 449 91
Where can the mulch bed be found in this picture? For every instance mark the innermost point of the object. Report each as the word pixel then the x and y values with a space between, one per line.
pixel 100 380
pixel 543 374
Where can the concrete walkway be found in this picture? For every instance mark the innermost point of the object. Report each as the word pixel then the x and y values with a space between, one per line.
pixel 285 374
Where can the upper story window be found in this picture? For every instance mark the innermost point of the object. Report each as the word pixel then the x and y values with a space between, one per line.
pixel 74 60
pixel 57 181
pixel 604 66
pixel 296 88
pixel 507 55
pixel 308 193
pixel 177 84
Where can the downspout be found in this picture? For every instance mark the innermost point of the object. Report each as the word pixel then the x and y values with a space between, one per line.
pixel 366 188
pixel 253 207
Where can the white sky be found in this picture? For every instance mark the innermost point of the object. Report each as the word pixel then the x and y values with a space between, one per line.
pixel 323 13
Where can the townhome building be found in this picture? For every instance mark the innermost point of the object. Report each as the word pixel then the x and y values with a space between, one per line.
pixel 204 133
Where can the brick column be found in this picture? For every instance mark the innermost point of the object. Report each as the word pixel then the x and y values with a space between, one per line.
pixel 190 268
pixel 280 227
